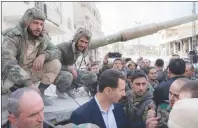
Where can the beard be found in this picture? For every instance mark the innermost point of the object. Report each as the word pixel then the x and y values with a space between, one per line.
pixel 30 32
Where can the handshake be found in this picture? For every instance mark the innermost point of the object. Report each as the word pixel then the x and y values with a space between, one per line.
pixel 152 120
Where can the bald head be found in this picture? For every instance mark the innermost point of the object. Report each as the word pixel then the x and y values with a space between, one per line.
pixel 175 90
pixel 189 90
pixel 30 99
pixel 25 107
pixel 178 83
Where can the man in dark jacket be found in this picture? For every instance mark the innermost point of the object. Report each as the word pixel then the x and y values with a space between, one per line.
pixel 161 74
pixel 70 51
pixel 176 69
pixel 103 110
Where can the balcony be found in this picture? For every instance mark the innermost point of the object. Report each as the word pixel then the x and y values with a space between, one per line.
pixel 52 15
pixel 12 17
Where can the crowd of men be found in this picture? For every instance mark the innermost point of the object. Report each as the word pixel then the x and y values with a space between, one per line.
pixel 125 94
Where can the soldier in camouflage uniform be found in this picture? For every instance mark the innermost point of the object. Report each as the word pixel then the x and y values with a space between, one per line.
pixel 70 51
pixel 28 56
pixel 136 104
pixel 164 108
pixel 163 111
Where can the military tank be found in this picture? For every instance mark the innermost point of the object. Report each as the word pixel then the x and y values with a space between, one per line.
pixel 140 31
pixel 60 111
pixel 121 36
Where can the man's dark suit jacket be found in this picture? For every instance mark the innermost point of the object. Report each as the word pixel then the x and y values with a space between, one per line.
pixel 90 113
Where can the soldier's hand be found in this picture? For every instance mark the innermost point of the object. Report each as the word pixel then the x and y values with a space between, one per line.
pixel 151 113
pixel 39 62
pixel 74 72
pixel 35 88
pixel 152 122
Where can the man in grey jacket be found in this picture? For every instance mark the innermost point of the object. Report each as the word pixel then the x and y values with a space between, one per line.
pixel 70 51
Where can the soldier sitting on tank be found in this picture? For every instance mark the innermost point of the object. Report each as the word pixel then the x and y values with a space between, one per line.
pixel 139 99
pixel 164 108
pixel 70 51
pixel 28 56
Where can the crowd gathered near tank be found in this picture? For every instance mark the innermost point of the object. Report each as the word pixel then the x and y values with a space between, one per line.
pixel 125 93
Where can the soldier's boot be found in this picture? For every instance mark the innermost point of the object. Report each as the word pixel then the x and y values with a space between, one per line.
pixel 70 92
pixel 42 87
pixel 62 95
pixel 15 87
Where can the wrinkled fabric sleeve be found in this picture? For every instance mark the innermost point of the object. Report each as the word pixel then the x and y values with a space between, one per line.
pixel 10 65
pixel 51 51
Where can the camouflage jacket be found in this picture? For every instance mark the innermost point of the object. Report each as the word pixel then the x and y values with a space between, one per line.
pixel 14 48
pixel 69 55
pixel 163 111
pixel 136 108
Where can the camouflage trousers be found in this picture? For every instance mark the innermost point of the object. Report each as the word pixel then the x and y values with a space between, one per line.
pixel 50 74
pixel 84 78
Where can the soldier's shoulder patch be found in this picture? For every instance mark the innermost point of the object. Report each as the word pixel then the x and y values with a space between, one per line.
pixel 163 106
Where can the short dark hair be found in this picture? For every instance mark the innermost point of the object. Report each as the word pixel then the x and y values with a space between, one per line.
pixel 129 73
pixel 94 64
pixel 192 87
pixel 177 66
pixel 127 59
pixel 137 74
pixel 109 78
pixel 148 70
pixel 159 62
pixel 117 59
pixel 175 55
pixel 148 60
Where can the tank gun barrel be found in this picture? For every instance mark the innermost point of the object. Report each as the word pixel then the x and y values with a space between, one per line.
pixel 140 31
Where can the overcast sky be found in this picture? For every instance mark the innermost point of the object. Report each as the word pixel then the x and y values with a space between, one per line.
pixel 118 16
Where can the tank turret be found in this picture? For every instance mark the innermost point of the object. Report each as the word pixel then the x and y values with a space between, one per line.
pixel 140 31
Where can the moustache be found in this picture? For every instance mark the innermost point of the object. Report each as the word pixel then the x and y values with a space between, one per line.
pixel 38 30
